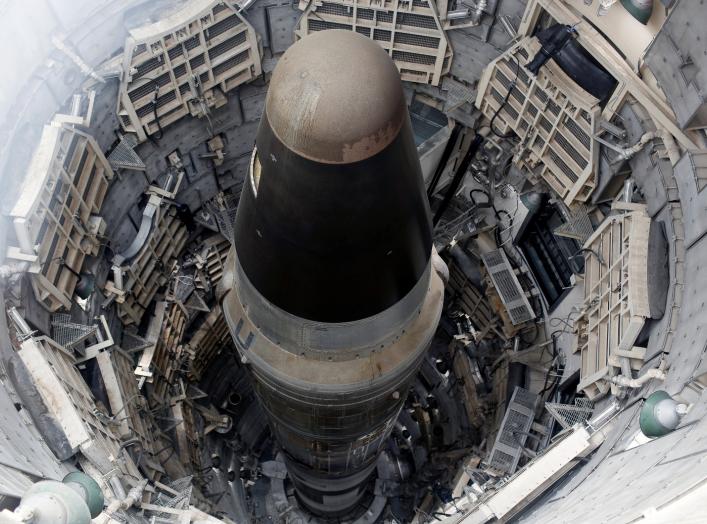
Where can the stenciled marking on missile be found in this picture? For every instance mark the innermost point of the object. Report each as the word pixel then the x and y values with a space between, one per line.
pixel 243 344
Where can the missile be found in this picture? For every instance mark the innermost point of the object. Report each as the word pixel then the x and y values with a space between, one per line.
pixel 330 291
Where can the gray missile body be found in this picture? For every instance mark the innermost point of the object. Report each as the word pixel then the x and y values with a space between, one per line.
pixel 331 296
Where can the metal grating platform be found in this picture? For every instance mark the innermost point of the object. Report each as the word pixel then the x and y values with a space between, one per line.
pixel 69 334
pixel 184 65
pixel 554 118
pixel 124 156
pixel 410 32
pixel 616 301
pixel 62 194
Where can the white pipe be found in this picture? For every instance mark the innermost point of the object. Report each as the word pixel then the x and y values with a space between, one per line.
pixel 134 496
pixel 629 382
pixel 647 137
pixel 627 153
pixel 478 12
pixel 118 277
pixel 118 488
pixel 671 146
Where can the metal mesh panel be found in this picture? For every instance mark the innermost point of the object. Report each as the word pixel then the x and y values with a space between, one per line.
pixel 231 63
pixel 226 45
pixel 222 26
pixel 414 58
pixel 514 430
pixel 148 66
pixel 124 156
pixel 381 34
pixel 579 159
pixel 335 9
pixel 364 14
pixel 418 40
pixel 414 20
pixel 69 334
pixel 507 286
pixel 579 226
pixel 319 25
pixel 567 415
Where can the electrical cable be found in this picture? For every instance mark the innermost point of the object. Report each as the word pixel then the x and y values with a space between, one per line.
pixel 458 177
pixel 156 136
pixel 556 321
pixel 511 87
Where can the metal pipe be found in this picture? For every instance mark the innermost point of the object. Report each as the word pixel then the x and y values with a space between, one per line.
pixel 118 277
pixel 118 488
pixel 133 497
pixel 671 146
pixel 627 153
pixel 478 11
pixel 459 14
pixel 629 382
pixel 19 321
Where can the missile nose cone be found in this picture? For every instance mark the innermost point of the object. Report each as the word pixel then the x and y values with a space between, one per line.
pixel 333 223
pixel 336 97
pixel 333 300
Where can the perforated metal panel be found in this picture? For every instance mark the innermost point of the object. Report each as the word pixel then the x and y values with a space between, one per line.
pixel 184 65
pixel 507 286
pixel 555 119
pixel 511 438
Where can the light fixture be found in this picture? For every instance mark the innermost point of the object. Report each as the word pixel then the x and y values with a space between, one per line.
pixel 660 414
pixel 641 10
